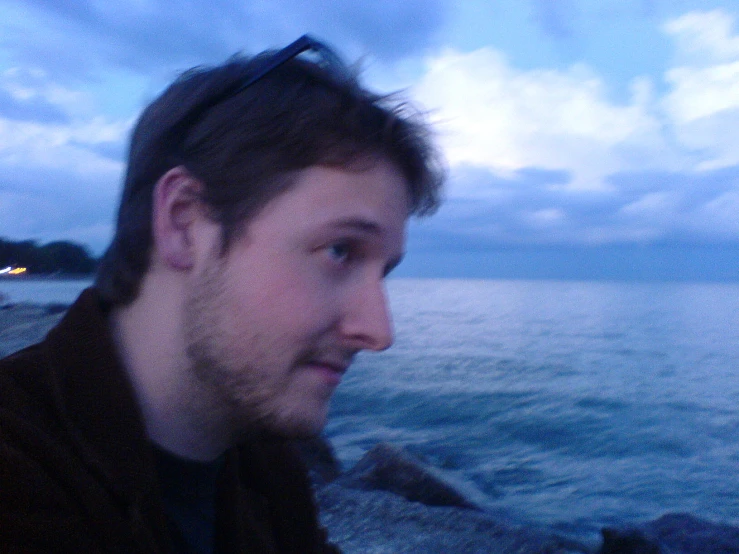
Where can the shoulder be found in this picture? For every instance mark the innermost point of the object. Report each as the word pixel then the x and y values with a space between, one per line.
pixel 52 484
pixel 31 448
pixel 26 392
pixel 37 511
pixel 276 470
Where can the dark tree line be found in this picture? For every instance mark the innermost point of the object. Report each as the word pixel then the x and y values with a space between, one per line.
pixel 54 257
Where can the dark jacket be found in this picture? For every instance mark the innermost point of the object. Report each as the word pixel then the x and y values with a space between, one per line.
pixel 77 472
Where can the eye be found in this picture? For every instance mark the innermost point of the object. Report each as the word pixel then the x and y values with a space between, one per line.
pixel 339 251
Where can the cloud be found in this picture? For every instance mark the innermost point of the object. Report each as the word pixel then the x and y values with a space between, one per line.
pixel 59 154
pixel 704 37
pixel 65 63
pixel 538 155
pixel 161 36
pixel 703 101
pixel 60 162
pixel 493 115
pixel 53 182
pixel 71 147
pixel 543 156
pixel 85 215
pixel 645 207
pixel 497 116
pixel 33 109
pixel 389 29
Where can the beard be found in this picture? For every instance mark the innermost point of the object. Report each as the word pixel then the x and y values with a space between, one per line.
pixel 238 390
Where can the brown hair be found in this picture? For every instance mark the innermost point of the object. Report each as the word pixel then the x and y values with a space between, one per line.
pixel 246 148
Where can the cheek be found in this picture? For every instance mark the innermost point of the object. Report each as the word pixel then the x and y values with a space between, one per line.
pixel 282 296
pixel 302 302
pixel 286 290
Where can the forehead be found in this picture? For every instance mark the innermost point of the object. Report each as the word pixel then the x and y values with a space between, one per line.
pixel 376 194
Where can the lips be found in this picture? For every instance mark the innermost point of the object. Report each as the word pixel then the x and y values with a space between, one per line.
pixel 330 368
pixel 336 367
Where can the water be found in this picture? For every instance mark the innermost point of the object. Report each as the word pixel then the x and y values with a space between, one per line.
pixel 576 405
pixel 41 291
pixel 569 404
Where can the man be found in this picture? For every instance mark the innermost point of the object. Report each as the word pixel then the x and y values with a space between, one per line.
pixel 264 203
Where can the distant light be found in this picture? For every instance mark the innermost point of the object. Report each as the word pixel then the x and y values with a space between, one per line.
pixel 17 271
pixel 5 270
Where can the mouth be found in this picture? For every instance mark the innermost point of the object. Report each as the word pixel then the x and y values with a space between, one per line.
pixel 331 370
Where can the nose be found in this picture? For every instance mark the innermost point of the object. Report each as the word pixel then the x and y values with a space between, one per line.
pixel 367 323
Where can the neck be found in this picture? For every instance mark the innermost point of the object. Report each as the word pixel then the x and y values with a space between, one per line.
pixel 148 334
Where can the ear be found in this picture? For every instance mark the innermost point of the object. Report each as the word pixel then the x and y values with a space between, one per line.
pixel 176 210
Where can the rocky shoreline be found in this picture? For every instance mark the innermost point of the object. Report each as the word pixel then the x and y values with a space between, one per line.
pixel 393 503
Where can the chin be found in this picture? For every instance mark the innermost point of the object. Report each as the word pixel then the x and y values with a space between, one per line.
pixel 296 425
pixel 302 430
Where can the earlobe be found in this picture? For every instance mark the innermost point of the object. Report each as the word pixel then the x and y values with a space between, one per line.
pixel 176 208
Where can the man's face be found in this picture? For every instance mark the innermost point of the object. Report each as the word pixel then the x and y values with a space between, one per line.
pixel 273 324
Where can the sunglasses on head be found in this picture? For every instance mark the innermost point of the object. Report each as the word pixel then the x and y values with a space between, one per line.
pixel 326 58
pixel 323 56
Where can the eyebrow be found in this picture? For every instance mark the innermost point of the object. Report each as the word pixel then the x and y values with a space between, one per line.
pixel 359 224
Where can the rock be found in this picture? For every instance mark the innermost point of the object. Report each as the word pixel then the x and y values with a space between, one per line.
pixel 55 308
pixel 379 522
pixel 628 541
pixel 387 467
pixel 672 534
pixel 318 455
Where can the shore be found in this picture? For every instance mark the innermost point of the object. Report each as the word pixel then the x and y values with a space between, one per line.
pixel 391 503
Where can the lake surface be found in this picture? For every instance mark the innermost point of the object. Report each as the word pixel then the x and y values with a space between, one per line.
pixel 42 291
pixel 572 404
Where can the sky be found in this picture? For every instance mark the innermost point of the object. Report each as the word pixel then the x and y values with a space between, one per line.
pixel 583 138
